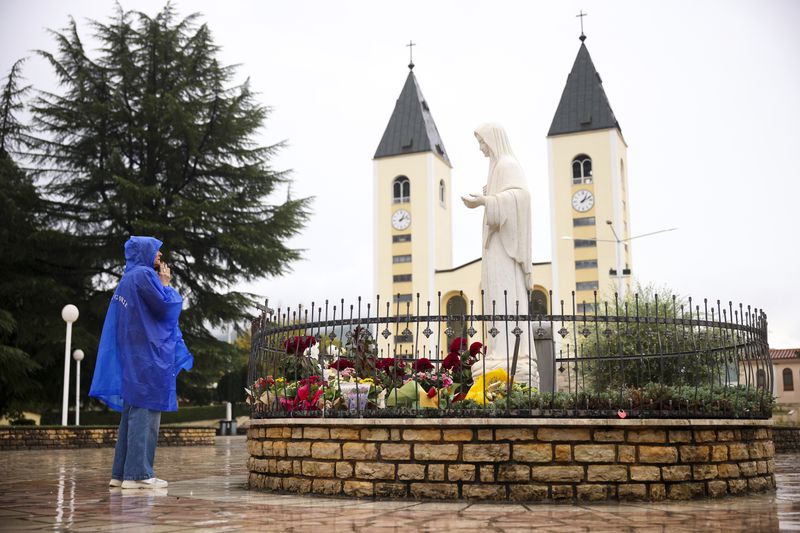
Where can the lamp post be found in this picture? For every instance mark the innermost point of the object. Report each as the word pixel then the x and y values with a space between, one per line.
pixel 618 273
pixel 78 356
pixel 70 314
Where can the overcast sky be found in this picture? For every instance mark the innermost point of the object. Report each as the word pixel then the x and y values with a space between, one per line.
pixel 707 94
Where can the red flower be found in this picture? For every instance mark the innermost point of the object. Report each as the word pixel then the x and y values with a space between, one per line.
pixel 460 396
pixel 422 365
pixel 458 344
pixel 386 363
pixel 452 361
pixel 475 348
pixel 432 392
pixel 341 364
pixel 298 344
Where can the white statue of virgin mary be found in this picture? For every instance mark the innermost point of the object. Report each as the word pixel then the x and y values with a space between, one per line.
pixel 506 262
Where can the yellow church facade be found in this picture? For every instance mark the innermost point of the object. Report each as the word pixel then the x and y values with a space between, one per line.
pixel 413 203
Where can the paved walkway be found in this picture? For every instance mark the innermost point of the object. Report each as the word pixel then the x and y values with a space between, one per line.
pixel 67 490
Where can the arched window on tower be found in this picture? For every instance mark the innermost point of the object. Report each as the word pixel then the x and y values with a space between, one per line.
pixel 456 309
pixel 401 190
pixel 581 169
pixel 788 380
pixel 441 193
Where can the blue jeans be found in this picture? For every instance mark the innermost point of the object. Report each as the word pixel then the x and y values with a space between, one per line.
pixel 136 443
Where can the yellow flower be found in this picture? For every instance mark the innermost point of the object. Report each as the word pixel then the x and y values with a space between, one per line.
pixel 493 380
pixel 366 380
pixel 280 380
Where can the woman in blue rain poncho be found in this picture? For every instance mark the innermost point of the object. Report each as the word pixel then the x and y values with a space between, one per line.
pixel 140 355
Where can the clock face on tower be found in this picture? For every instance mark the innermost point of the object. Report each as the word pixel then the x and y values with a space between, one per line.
pixel 582 200
pixel 401 219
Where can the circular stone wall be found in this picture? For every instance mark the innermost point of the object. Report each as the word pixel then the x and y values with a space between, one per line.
pixel 512 459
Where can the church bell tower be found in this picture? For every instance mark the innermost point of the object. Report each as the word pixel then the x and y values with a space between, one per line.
pixel 412 206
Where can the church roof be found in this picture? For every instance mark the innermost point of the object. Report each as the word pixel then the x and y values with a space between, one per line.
pixel 787 353
pixel 584 105
pixel 411 128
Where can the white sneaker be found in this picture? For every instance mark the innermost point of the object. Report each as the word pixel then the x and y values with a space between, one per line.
pixel 152 483
pixel 115 482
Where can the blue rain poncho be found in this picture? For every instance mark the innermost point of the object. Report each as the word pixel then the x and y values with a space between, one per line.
pixel 141 348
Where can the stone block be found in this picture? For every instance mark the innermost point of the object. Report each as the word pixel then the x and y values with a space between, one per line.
pixel 512 472
pixel 485 434
pixel 737 451
pixel 762 433
pixel 483 492
pixel 658 492
pixel 345 433
pixel 391 490
pixel 563 434
pixel 297 467
pixel 395 452
pixel 457 435
pixel 461 472
pixel 297 433
pixel 758 484
pixel 592 493
pixel 436 452
pixel 358 488
pixel 632 491
pixel 748 468
pixel 434 491
pixel 724 435
pixel 297 485
pixel 647 435
pixel 626 453
pixel 679 491
pixel 344 469
pixel 279 448
pixel 563 453
pixel 533 453
pixel 607 473
pixel 719 452
pixel 298 449
pixel 254 447
pixel 375 470
pixel 527 493
pixel 562 492
pixel 658 454
pixel 728 470
pixel 374 434
pixel 695 454
pixel 326 450
pixel 316 433
pixel 277 433
pixel 757 450
pixel 557 473
pixel 736 486
pixel 284 466
pixel 700 472
pixel 680 435
pixel 514 434
pixel 408 472
pixel 771 466
pixel 273 483
pixel 761 467
pixel 482 453
pixel 705 435
pixel 318 469
pixel 594 453
pixel 487 473
pixel 609 435
pixel 717 488
pixel 677 473
pixel 359 450
pixel 436 472
pixel 395 434
pixel 326 486
pixel 425 434
pixel 646 473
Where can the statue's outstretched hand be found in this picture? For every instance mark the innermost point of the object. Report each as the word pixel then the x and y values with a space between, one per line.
pixel 473 200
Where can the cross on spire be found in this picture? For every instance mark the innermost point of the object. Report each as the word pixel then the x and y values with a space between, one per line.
pixel 580 16
pixel 410 46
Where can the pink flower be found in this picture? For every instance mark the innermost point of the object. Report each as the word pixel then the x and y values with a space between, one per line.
pixel 422 365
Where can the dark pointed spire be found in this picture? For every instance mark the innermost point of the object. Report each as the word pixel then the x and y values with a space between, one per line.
pixel 584 105
pixel 411 128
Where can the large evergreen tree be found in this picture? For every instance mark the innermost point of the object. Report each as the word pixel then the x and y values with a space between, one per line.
pixel 150 136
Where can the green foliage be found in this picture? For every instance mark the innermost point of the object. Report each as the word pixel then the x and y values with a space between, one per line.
pixel 147 134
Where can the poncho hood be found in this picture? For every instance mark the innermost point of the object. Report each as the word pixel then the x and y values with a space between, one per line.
pixel 141 348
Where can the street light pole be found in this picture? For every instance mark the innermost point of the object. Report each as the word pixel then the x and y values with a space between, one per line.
pixel 78 356
pixel 70 314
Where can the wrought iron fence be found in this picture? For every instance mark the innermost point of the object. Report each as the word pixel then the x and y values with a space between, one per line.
pixel 638 357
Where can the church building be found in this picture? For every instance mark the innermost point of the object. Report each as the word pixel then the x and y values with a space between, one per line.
pixel 588 207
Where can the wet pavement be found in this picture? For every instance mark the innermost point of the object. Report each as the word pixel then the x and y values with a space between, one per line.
pixel 54 490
